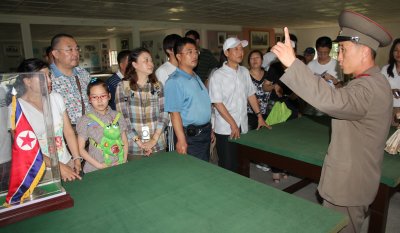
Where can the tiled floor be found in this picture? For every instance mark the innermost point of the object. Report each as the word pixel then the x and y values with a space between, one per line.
pixel 393 221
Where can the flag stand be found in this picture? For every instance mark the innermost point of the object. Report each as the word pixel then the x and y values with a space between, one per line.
pixel 29 209
pixel 28 169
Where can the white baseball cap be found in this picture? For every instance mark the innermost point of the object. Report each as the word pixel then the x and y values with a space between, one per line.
pixel 232 42
pixel 268 58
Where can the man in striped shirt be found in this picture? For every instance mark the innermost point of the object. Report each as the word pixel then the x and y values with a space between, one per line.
pixel 113 81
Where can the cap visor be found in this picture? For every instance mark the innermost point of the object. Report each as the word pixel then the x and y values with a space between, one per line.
pixel 342 38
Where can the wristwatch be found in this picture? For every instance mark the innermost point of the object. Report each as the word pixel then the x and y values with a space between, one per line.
pixel 135 139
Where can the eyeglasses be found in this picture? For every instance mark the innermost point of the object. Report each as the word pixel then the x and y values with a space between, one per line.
pixel 98 97
pixel 69 50
pixel 191 52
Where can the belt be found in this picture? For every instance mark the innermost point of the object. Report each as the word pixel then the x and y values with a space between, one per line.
pixel 199 126
pixel 195 130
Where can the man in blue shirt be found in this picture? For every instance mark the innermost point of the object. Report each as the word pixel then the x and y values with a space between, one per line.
pixel 187 101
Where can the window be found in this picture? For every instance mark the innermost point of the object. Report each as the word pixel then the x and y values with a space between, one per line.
pixel 113 57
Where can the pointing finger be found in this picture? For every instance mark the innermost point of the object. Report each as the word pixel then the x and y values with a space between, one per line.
pixel 287 37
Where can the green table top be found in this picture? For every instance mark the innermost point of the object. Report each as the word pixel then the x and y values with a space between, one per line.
pixel 173 193
pixel 307 139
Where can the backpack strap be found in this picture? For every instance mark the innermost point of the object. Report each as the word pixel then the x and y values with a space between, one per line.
pixel 95 118
pixel 94 143
pixel 116 118
pixel 127 92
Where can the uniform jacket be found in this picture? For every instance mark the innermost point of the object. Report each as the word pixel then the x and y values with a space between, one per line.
pixel 362 115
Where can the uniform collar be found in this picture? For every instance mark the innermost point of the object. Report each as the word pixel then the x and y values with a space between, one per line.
pixel 372 70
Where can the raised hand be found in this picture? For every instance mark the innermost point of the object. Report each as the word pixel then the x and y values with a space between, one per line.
pixel 284 51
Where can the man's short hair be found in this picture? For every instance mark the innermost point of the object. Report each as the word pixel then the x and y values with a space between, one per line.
pixel 122 55
pixel 193 33
pixel 323 41
pixel 169 42
pixel 309 50
pixel 49 50
pixel 178 47
pixel 56 39
pixel 294 39
pixel 372 51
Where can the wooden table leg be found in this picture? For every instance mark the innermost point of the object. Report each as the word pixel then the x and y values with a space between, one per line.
pixel 243 163
pixel 297 186
pixel 379 210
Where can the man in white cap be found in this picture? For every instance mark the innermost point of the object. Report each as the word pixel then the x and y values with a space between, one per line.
pixel 361 114
pixel 230 88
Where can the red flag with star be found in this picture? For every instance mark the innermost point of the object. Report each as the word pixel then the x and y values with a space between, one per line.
pixel 27 165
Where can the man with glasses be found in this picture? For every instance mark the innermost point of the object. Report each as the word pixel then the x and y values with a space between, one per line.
pixel 68 78
pixel 187 101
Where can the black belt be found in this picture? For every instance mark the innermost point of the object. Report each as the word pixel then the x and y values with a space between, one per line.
pixel 194 130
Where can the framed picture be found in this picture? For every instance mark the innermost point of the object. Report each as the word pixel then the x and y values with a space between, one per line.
pixel 278 37
pixel 221 36
pixel 259 39
pixel 90 48
pixel 12 50
pixel 124 44
pixel 148 44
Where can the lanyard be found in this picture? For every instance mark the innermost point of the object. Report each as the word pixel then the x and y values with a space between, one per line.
pixel 78 84
pixel 145 103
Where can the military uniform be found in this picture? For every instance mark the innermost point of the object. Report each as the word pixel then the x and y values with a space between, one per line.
pixel 361 114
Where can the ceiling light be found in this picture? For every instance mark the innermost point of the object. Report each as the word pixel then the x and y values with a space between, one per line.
pixel 176 9
pixel 111 29
pixel 174 19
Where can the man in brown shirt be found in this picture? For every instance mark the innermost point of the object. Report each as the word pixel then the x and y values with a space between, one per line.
pixel 361 114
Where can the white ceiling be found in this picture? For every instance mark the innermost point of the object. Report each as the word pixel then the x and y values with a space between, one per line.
pixel 250 13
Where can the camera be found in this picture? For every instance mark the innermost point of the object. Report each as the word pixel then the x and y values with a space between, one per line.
pixel 145 132
pixel 323 74
pixel 191 131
